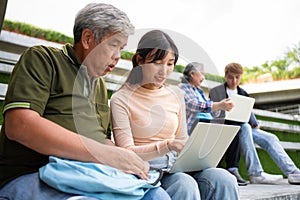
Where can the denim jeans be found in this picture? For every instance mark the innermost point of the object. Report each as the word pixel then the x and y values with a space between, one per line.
pixel 270 143
pixel 180 186
pixel 210 184
pixel 249 151
pixel 216 183
pixel 31 187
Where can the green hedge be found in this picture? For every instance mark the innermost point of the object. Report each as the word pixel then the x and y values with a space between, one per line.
pixel 36 32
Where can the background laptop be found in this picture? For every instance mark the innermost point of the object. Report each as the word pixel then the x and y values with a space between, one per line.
pixel 242 108
pixel 205 147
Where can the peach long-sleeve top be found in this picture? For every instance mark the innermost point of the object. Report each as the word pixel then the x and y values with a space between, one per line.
pixel 143 120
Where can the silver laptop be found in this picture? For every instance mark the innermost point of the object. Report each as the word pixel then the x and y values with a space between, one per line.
pixel 242 108
pixel 205 147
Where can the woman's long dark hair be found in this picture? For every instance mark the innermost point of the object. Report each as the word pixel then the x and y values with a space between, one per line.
pixel 154 45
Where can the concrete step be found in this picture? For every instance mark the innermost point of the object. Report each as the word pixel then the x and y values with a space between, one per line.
pixel 282 191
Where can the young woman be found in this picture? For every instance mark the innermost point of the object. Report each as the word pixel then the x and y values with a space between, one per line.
pixel 149 118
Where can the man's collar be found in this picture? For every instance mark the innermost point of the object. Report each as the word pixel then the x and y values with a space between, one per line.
pixel 70 53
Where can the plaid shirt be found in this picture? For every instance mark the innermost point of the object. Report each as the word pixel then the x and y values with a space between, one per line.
pixel 193 104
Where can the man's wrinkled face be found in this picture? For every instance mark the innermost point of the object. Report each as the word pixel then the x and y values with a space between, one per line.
pixel 105 55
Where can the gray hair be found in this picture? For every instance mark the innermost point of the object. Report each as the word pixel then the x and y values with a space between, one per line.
pixel 101 19
pixel 191 67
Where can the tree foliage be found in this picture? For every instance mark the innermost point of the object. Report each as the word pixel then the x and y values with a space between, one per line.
pixel 287 67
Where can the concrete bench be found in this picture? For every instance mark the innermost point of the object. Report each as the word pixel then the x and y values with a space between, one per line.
pixel 3 89
pixel 282 127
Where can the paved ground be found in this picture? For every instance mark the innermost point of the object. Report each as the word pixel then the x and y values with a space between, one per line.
pixel 282 191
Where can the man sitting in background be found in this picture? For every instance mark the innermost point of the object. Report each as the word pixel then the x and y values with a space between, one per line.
pixel 267 141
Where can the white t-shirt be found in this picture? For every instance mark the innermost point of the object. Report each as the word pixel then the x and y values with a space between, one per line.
pixel 231 92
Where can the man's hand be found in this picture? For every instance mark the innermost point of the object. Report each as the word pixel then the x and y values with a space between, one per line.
pixel 117 157
pixel 226 104
pixel 127 161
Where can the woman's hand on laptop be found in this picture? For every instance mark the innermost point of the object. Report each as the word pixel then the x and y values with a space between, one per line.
pixel 176 145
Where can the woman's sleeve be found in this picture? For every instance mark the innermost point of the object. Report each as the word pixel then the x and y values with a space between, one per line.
pixel 181 133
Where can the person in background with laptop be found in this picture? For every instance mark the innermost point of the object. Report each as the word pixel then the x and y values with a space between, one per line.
pixel 267 141
pixel 148 117
pixel 200 108
pixel 194 75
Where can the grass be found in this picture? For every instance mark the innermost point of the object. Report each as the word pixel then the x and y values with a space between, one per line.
pixel 268 164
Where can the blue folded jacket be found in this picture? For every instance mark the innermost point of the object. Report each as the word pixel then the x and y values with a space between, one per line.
pixel 94 180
